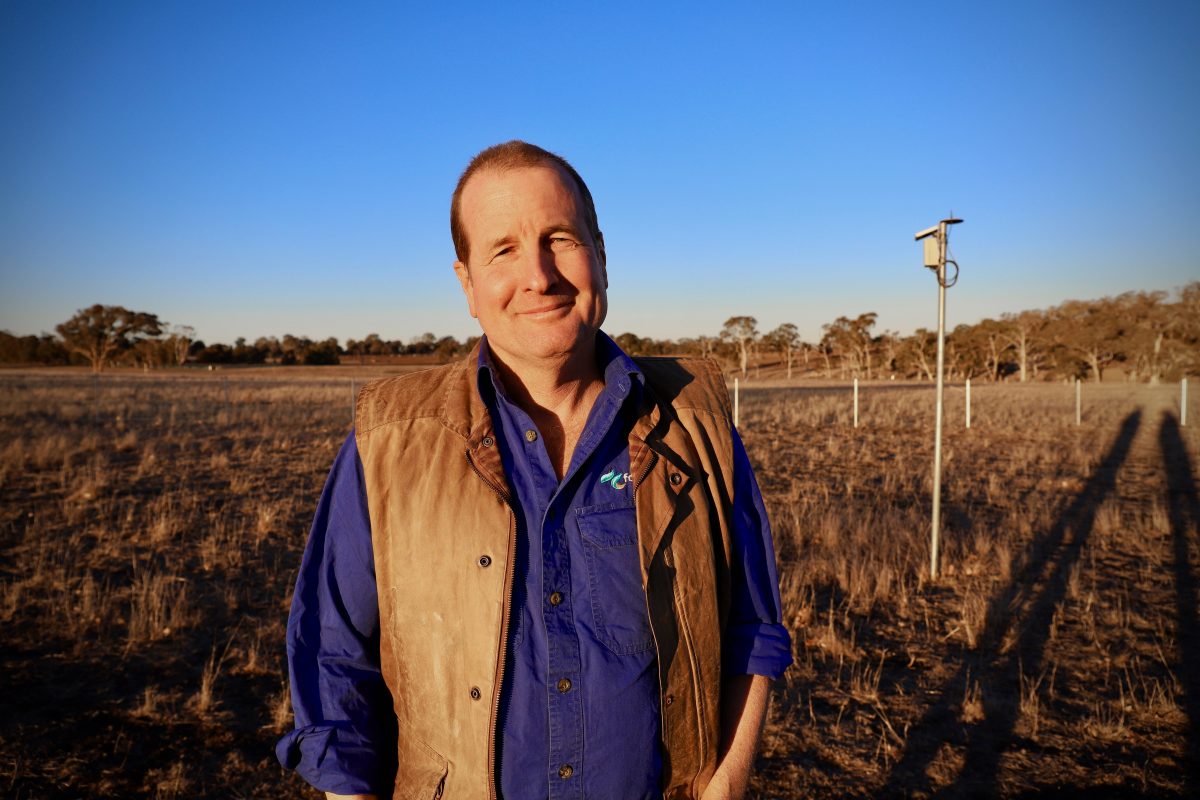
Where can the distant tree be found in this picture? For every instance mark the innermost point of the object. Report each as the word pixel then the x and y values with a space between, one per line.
pixel 851 339
pixel 178 341
pixel 741 332
pixel 1092 330
pixel 1182 351
pixel 151 353
pixel 701 346
pixel 446 348
pixel 100 333
pixel 786 340
pixel 372 345
pixel 826 350
pixel 269 348
pixel 983 346
pixel 244 353
pixel 631 343
pixel 919 352
pixel 356 347
pixel 44 349
pixel 295 348
pixel 323 352
pixel 214 354
pixel 1022 332
pixel 422 345
pixel 889 350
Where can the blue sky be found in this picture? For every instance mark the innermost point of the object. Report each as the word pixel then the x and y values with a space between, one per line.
pixel 260 168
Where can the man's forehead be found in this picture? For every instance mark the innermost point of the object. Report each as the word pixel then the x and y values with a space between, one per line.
pixel 497 189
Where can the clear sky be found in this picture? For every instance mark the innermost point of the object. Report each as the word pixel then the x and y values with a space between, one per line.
pixel 254 168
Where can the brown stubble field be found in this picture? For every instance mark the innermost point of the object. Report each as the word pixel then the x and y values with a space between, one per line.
pixel 152 527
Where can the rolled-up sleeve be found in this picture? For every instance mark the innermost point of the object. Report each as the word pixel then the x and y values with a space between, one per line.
pixel 755 639
pixel 345 736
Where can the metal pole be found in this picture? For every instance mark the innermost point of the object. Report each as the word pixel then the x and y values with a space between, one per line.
pixel 935 534
pixel 1078 403
pixel 856 402
pixel 968 403
pixel 735 402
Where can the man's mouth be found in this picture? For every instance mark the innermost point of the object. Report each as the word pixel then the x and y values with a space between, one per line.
pixel 543 310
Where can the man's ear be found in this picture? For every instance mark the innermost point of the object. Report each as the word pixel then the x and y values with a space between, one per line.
pixel 464 280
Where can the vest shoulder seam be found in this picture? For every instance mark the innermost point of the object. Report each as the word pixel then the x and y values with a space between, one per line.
pixel 397 398
pixel 414 418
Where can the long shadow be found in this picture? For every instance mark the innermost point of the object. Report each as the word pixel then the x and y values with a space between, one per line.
pixel 1029 599
pixel 1183 504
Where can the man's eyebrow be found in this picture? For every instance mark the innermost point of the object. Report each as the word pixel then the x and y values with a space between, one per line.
pixel 499 241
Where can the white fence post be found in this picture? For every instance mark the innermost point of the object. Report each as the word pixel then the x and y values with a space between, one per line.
pixel 1183 403
pixel 735 402
pixel 968 403
pixel 856 402
pixel 353 397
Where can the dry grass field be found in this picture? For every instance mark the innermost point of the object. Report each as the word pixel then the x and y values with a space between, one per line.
pixel 152 527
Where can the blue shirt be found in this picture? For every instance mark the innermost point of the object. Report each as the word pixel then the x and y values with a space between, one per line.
pixel 581 686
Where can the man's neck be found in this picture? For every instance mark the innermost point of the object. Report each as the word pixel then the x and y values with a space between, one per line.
pixel 558 386
pixel 557 394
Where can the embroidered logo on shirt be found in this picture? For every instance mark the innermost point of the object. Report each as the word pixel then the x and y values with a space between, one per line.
pixel 616 480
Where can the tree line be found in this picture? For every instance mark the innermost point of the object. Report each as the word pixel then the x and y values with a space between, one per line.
pixel 1147 336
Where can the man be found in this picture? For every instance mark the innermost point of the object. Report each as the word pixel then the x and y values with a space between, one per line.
pixel 545 571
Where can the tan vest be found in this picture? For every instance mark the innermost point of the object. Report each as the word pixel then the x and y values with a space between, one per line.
pixel 444 536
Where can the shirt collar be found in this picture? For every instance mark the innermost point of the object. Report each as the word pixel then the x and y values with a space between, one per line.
pixel 621 374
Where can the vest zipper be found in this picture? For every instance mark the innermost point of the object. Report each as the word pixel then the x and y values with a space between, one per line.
pixel 662 716
pixel 637 481
pixel 507 610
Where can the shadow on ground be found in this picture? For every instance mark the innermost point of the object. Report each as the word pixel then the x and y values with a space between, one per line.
pixel 1183 509
pixel 1026 602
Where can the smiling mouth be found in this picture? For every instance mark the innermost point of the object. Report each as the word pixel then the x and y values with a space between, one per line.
pixel 538 312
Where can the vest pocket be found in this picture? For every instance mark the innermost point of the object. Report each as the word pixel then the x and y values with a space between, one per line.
pixel 610 546
pixel 421 770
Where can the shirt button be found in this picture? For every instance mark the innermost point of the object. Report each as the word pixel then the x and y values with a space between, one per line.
pixel 670 699
pixel 676 479
pixel 531 435
pixel 564 685
pixel 488 441
pixel 485 561
pixel 565 771
pixel 555 598
pixel 475 693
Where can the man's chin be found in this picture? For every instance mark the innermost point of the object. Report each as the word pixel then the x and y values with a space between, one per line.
pixel 551 343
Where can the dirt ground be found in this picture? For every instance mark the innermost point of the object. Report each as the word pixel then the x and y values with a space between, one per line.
pixel 152 527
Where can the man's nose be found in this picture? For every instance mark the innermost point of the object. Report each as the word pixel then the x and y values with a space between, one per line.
pixel 539 272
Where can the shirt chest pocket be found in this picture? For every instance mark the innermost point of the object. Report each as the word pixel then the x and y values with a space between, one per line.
pixel 610 548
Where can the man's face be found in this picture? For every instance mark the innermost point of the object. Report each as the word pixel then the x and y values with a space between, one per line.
pixel 535 279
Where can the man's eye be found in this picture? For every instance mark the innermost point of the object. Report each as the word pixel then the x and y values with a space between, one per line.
pixel 561 244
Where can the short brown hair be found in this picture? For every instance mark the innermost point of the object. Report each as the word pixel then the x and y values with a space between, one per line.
pixel 511 155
